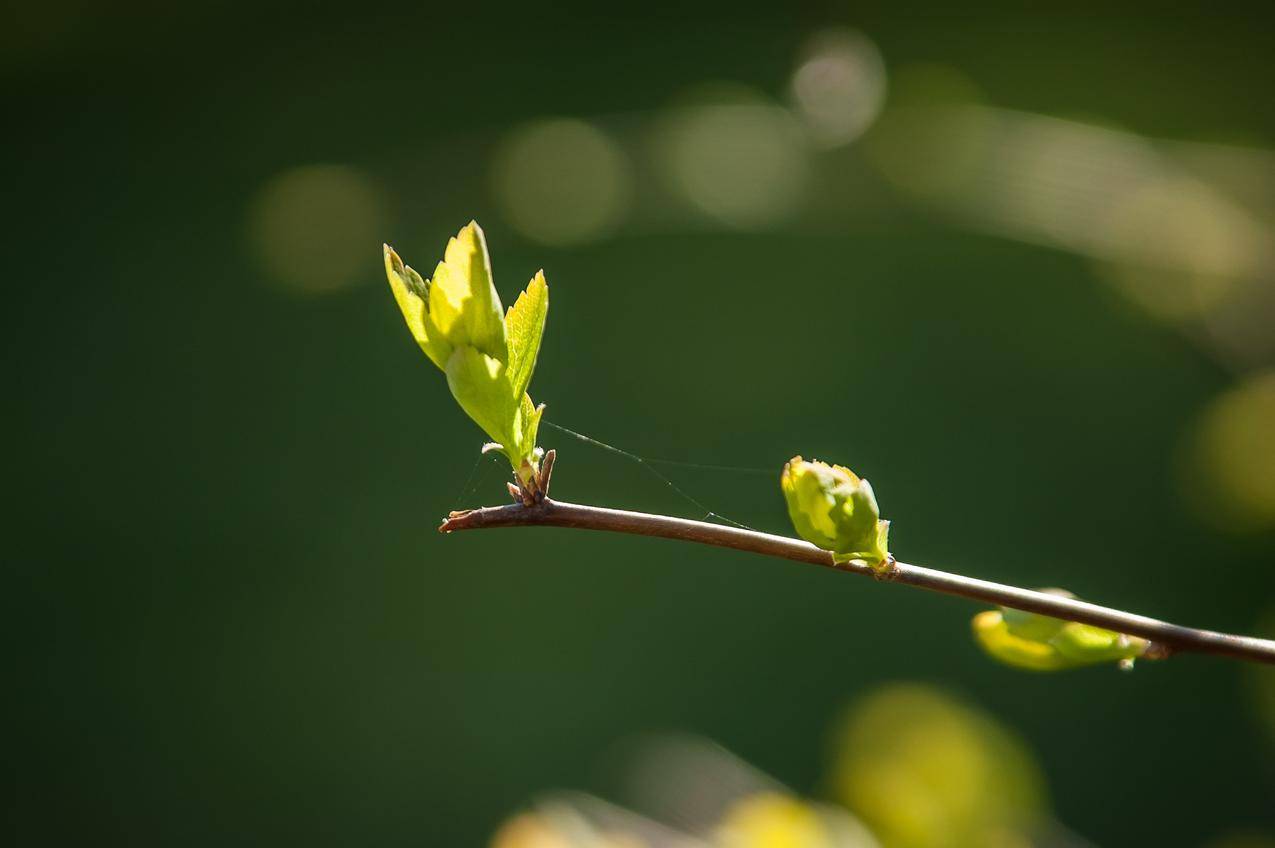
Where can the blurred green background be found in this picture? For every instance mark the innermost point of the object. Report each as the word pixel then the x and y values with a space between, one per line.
pixel 1014 267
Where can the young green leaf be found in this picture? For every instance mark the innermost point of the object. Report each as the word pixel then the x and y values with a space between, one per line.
pixel 1085 644
pixel 834 509
pixel 480 385
pixel 462 298
pixel 524 325
pixel 412 295
pixel 995 637
pixel 1042 643
pixel 488 357
pixel 528 425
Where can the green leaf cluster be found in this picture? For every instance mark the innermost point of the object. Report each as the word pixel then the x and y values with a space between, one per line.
pixel 836 510
pixel 1042 643
pixel 456 318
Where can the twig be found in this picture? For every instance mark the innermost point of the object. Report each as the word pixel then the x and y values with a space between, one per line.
pixel 1166 638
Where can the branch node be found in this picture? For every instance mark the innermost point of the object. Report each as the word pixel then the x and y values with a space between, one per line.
pixel 886 570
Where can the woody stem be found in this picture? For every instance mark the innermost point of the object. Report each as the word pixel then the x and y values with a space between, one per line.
pixel 1166 638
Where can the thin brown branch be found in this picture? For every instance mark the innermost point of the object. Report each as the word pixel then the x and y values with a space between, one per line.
pixel 1167 638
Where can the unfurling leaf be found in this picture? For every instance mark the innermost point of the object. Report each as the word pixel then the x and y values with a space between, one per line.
pixel 412 294
pixel 488 357
pixel 524 325
pixel 834 509
pixel 1042 643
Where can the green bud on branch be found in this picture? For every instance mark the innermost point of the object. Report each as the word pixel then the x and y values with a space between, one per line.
pixel 834 509
pixel 1040 643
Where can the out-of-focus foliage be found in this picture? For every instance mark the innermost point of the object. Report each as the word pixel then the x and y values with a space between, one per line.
pixel 1242 839
pixel 836 510
pixel 579 820
pixel 456 319
pixel 1262 682
pixel 527 830
pixel 547 830
pixel 1228 472
pixel 925 770
pixel 1042 643
pixel 912 767
pixel 772 820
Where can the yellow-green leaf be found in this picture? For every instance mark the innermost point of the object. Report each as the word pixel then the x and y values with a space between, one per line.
pixel 456 319
pixel 411 292
pixel 994 635
pixel 529 424
pixel 462 299
pixel 480 385
pixel 1086 644
pixel 524 326
pixel 1043 643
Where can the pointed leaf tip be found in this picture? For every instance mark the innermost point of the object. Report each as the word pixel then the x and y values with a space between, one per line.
pixel 524 327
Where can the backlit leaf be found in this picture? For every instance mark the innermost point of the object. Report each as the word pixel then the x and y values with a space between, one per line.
pixel 412 295
pixel 481 387
pixel 462 298
pixel 524 326
pixel 488 357
pixel 1043 643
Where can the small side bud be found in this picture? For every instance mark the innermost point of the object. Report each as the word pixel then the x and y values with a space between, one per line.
pixel 1043 643
pixel 546 469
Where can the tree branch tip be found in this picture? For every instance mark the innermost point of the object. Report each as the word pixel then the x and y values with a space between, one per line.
pixel 453 518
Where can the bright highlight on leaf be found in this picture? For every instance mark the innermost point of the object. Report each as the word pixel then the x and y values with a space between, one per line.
pixel 456 319
pixel 1041 643
pixel 834 509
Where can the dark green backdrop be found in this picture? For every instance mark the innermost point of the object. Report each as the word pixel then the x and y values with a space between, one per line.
pixel 233 620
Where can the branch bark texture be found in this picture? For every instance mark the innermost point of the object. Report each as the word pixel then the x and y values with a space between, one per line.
pixel 1167 638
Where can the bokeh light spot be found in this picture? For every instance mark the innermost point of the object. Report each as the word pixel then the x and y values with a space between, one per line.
pixel 562 181
pixel 1183 247
pixel 318 228
pixel 923 769
pixel 528 830
pixel 1229 476
pixel 932 136
pixel 738 158
pixel 839 86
